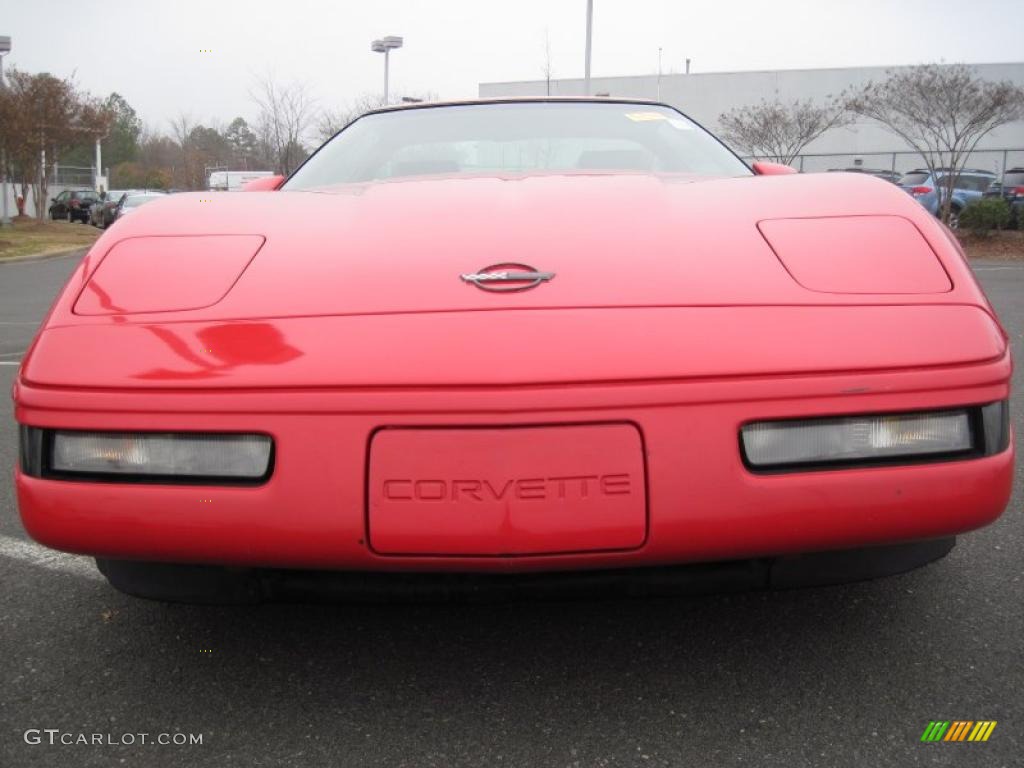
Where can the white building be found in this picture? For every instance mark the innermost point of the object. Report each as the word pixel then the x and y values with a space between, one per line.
pixel 705 96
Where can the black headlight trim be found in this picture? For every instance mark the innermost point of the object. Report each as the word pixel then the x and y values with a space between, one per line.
pixel 995 422
pixel 30 450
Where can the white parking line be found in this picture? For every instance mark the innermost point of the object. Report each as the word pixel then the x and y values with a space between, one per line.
pixel 41 557
pixel 10 362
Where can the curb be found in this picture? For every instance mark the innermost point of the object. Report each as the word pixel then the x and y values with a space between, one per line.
pixel 46 255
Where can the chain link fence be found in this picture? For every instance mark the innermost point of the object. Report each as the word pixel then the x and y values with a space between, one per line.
pixel 72 176
pixel 996 161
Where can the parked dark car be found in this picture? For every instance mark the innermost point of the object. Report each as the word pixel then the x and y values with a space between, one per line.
pixel 1011 189
pixel 881 173
pixel 73 205
pixel 104 210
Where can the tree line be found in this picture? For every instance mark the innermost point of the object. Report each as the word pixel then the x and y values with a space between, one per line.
pixel 46 121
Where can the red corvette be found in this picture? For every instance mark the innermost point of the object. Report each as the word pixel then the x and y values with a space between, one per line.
pixel 476 343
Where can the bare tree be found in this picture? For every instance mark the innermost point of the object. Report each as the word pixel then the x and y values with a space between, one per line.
pixel 942 111
pixel 181 131
pixel 286 113
pixel 545 66
pixel 778 131
pixel 181 128
pixel 159 165
pixel 330 121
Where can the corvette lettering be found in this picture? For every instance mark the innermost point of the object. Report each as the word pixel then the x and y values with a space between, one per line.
pixel 524 489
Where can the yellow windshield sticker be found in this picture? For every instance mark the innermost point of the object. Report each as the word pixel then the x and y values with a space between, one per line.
pixel 643 117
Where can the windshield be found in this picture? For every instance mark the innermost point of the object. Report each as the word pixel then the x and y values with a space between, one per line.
pixel 1014 179
pixel 517 138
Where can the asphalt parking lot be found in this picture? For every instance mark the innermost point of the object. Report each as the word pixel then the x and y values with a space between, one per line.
pixel 838 676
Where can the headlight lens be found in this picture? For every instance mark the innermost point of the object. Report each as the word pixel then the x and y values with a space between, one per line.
pixel 856 438
pixel 183 455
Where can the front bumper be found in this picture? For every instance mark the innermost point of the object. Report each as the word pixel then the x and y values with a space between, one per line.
pixel 702 503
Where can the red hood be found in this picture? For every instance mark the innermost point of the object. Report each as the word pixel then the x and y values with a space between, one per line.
pixel 611 240
pixel 696 289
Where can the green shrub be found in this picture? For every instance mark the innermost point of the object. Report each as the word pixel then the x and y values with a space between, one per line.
pixel 984 215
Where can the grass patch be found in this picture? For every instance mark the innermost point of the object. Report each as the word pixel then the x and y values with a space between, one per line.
pixel 29 237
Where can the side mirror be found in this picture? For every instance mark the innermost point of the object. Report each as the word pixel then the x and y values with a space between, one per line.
pixel 266 184
pixel 772 169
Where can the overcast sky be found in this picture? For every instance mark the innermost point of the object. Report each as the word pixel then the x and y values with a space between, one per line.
pixel 150 50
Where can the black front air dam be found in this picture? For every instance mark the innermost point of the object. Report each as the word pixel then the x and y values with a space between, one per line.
pixel 213 584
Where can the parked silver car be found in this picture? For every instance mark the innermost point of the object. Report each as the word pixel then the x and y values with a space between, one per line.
pixel 134 200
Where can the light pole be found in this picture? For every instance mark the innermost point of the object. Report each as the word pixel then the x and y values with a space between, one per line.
pixel 5 219
pixel 586 63
pixel 385 45
pixel 659 73
pixel 99 166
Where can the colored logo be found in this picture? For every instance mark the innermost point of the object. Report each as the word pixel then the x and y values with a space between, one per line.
pixel 958 730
